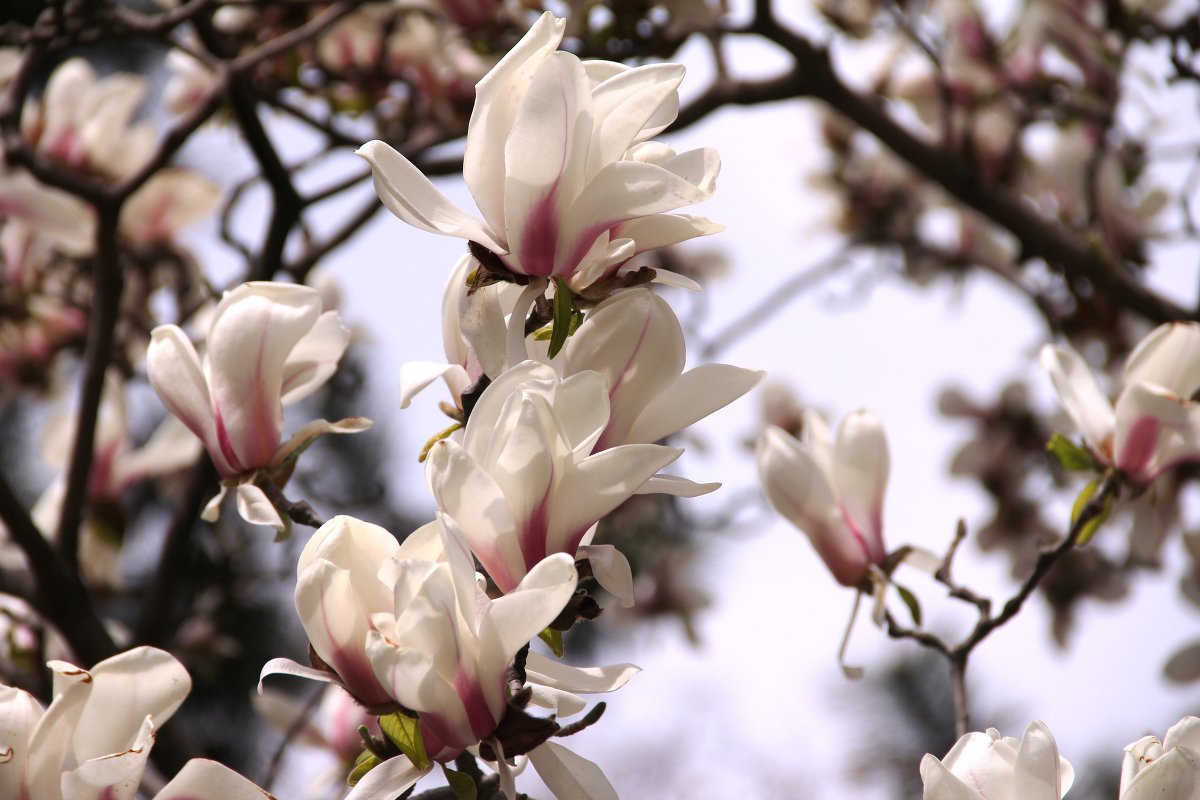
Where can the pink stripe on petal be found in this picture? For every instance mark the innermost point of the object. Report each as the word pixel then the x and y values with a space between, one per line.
pixel 1138 448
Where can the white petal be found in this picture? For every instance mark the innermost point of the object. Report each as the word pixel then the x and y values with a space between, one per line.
pixel 497 98
pixel 389 780
pixel 201 779
pixel 696 394
pixel 544 157
pixel 570 776
pixel 860 473
pixel 254 507
pixel 1079 394
pixel 611 570
pixel 127 688
pixel 416 375
pixel 408 194
pixel 1168 357
pixel 314 358
pixel 174 371
pixel 253 332
pixel 586 680
pixel 677 486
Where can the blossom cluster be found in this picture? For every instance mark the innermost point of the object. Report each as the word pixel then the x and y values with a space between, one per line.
pixel 988 766
pixel 562 417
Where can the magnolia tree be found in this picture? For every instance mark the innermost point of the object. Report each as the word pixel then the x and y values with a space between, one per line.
pixel 155 370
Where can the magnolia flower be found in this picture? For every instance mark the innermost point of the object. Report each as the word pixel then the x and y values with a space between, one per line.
pixel 832 492
pixel 986 766
pixel 116 466
pixel 87 123
pixel 414 616
pixel 525 482
pixel 337 592
pixel 635 342
pixel 1166 770
pixel 62 219
pixel 557 162
pixel 1155 424
pixel 443 648
pixel 268 345
pixel 94 740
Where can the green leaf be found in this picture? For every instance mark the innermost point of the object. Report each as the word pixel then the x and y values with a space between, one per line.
pixel 1093 525
pixel 1072 457
pixel 553 640
pixel 564 303
pixel 460 783
pixel 405 733
pixel 365 762
pixel 910 600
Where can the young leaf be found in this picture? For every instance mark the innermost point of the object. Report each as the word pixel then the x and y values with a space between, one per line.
pixel 405 733
pixel 460 783
pixel 553 640
pixel 1093 525
pixel 365 762
pixel 563 308
pixel 1071 456
pixel 910 600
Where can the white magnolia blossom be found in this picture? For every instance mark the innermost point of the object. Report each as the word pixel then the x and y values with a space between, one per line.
pixel 987 766
pixel 558 163
pixel 1164 770
pixel 831 491
pixel 635 342
pixel 116 466
pixel 408 623
pixel 525 482
pixel 268 345
pixel 1155 424
pixel 93 741
pixel 87 122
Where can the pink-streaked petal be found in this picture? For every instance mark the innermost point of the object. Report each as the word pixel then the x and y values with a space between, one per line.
pixel 408 194
pixel 597 485
pixel 860 473
pixel 201 779
pixel 253 332
pixel 568 775
pixel 174 371
pixel 797 487
pixel 497 98
pixel 515 618
pixel 635 342
pixel 545 155
pixel 1080 395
